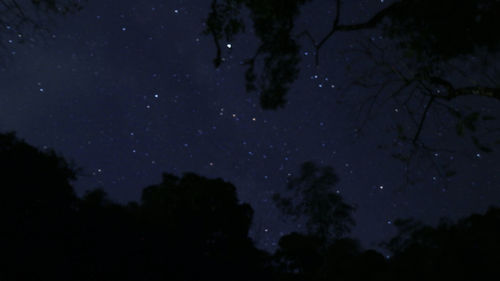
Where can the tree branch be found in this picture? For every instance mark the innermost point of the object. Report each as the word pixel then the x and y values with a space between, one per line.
pixel 218 57
pixel 371 23
pixel 330 33
pixel 422 120
pixel 453 92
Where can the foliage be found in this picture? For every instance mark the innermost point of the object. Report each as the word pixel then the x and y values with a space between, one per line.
pixel 432 60
pixel 312 196
pixel 432 30
pixel 37 204
pixel 194 228
pixel 22 20
pixel 48 233
pixel 444 29
pixel 273 23
pixel 460 251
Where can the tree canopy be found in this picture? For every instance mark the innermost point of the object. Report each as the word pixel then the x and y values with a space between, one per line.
pixel 195 228
pixel 184 222
pixel 433 30
pixel 313 198
pixel 430 60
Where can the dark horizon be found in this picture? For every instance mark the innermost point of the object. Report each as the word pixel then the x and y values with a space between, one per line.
pixel 195 228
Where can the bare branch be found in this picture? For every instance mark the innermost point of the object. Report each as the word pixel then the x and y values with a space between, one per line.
pixel 422 120
pixel 453 92
pixel 336 26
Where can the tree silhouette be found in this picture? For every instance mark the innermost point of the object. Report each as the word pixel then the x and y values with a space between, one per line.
pixel 37 206
pixel 299 256
pixel 203 211
pixel 434 30
pixel 437 63
pixel 463 250
pixel 444 29
pixel 306 257
pixel 273 23
pixel 23 20
pixel 201 222
pixel 430 59
pixel 460 251
pixel 313 199
pixel 107 242
pixel 194 228
pixel 188 228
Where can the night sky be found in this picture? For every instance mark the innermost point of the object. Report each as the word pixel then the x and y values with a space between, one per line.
pixel 127 90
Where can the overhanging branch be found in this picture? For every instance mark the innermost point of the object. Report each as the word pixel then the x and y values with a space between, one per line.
pixel 336 26
pixel 452 92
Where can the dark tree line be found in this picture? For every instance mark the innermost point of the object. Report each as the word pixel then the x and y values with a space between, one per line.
pixel 189 228
pixel 195 228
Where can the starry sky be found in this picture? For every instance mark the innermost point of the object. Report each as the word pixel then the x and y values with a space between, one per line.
pixel 127 90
